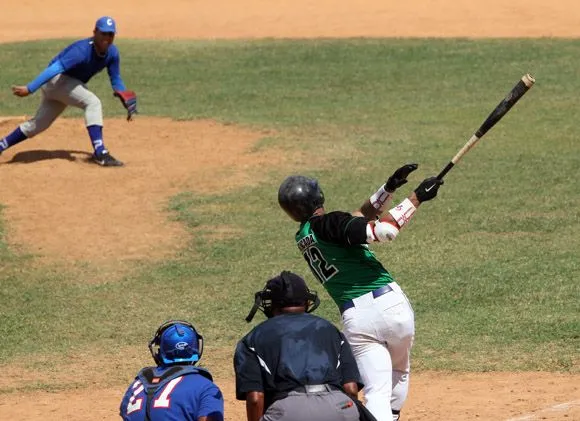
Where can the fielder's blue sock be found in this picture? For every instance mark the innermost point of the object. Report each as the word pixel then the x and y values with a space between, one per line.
pixel 12 139
pixel 96 135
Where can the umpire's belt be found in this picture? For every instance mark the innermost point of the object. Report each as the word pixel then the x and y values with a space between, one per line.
pixel 376 293
pixel 306 389
pixel 315 388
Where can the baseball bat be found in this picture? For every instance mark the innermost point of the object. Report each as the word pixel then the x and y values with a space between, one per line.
pixel 518 91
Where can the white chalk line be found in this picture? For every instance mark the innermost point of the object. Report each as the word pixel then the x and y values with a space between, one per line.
pixel 561 407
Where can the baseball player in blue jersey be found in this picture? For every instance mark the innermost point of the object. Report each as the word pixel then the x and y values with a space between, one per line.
pixel 174 389
pixel 63 83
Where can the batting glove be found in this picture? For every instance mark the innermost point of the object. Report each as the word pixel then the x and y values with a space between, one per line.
pixel 428 189
pixel 399 177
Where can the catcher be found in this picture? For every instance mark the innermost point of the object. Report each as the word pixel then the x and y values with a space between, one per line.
pixel 62 84
pixel 175 389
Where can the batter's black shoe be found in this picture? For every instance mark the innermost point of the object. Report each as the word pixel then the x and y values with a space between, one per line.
pixel 105 159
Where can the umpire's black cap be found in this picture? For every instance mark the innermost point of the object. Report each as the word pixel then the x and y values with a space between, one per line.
pixel 288 289
pixel 284 290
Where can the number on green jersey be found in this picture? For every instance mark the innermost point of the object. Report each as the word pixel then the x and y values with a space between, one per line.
pixel 319 265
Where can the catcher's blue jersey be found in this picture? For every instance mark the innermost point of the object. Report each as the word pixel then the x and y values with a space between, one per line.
pixel 183 398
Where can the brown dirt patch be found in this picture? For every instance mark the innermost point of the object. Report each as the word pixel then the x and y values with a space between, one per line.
pixel 58 178
pixel 34 19
pixel 61 205
pixel 434 396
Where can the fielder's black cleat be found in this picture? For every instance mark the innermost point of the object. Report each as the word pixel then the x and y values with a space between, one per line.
pixel 105 159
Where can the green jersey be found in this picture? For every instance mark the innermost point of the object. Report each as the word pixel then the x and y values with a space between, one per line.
pixel 346 269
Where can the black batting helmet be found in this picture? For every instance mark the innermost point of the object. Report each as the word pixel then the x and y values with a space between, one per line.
pixel 300 196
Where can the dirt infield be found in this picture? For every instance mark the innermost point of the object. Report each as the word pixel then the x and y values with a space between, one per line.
pixel 126 206
pixel 33 19
pixel 89 197
pixel 434 396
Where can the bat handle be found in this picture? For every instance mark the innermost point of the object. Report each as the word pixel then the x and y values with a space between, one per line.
pixel 470 144
pixel 445 170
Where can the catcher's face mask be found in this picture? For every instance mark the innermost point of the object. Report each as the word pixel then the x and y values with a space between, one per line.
pixel 285 290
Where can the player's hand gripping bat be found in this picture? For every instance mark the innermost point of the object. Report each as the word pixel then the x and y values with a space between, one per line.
pixel 526 82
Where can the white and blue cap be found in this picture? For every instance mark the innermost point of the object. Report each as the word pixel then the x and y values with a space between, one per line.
pixel 106 24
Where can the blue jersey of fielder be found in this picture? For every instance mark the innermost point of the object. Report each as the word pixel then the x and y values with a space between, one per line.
pixel 176 393
pixel 80 61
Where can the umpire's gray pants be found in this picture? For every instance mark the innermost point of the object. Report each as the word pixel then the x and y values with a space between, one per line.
pixel 57 94
pixel 320 406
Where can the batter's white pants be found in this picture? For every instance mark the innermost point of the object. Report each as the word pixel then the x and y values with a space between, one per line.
pixel 57 94
pixel 381 332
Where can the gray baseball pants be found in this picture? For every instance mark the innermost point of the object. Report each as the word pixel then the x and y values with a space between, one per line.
pixel 320 406
pixel 57 94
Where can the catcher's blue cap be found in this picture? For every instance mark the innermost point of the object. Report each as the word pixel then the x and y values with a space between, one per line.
pixel 106 24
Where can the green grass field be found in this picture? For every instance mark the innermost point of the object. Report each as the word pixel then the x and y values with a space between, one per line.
pixel 491 266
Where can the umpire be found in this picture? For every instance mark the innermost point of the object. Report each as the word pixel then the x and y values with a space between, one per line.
pixel 295 366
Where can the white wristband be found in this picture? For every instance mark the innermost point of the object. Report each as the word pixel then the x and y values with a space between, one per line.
pixel 381 197
pixel 403 212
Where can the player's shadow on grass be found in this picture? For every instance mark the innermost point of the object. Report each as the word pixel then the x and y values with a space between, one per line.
pixel 28 157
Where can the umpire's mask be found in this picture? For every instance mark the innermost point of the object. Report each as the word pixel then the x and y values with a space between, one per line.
pixel 285 290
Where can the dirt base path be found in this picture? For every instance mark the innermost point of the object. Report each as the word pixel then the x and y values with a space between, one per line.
pixel 434 396
pixel 32 19
pixel 51 172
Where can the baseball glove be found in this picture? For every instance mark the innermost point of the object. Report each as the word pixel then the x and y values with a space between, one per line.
pixel 129 101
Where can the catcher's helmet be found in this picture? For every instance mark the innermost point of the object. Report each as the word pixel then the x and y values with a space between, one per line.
pixel 176 342
pixel 284 290
pixel 300 196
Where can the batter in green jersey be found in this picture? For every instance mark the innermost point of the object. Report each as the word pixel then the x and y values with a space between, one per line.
pixel 377 317
pixel 346 271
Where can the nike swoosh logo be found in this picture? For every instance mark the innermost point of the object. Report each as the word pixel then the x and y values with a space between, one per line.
pixel 429 189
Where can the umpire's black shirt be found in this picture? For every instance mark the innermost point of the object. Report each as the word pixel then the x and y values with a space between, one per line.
pixel 292 350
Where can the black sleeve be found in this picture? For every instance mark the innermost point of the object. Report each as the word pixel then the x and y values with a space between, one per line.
pixel 340 228
pixel 247 369
pixel 349 369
